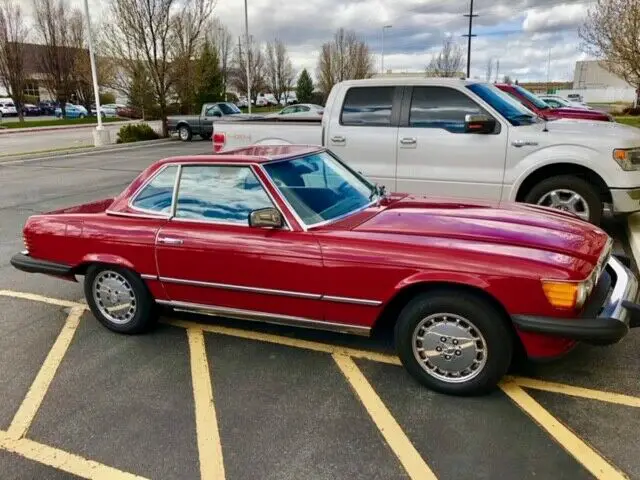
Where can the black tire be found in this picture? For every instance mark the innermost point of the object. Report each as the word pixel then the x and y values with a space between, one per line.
pixel 572 183
pixel 82 115
pixel 481 318
pixel 184 133
pixel 146 310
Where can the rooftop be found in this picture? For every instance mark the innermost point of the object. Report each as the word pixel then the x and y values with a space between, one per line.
pixel 250 154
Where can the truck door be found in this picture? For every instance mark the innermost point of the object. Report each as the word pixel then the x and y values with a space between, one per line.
pixel 436 156
pixel 363 131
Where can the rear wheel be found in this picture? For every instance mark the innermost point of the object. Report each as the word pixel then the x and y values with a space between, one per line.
pixel 454 343
pixel 184 132
pixel 570 194
pixel 119 299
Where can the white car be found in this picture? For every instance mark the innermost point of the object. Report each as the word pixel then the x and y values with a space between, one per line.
pixel 300 110
pixel 463 139
pixel 8 108
pixel 556 101
pixel 108 109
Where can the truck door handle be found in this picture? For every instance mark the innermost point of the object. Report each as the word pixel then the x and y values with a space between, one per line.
pixel 170 241
pixel 408 141
pixel 338 139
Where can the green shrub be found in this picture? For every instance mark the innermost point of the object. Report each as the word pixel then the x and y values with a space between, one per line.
pixel 136 132
pixel 107 98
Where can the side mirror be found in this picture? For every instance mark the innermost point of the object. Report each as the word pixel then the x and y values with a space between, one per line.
pixel 479 123
pixel 266 218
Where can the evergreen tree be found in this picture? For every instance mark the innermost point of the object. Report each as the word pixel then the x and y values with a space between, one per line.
pixel 209 78
pixel 304 88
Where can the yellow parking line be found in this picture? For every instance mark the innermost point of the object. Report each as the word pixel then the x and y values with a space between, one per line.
pixel 290 342
pixel 581 392
pixel 409 457
pixel 582 452
pixel 209 445
pixel 31 403
pixel 61 460
pixel 40 298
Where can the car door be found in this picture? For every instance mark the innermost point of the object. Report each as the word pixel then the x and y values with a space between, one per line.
pixel 436 155
pixel 210 115
pixel 207 254
pixel 365 130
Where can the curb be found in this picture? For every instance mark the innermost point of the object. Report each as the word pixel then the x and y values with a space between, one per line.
pixel 35 156
pixel 7 131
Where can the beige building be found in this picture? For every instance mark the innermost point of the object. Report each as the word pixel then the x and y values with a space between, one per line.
pixel 591 74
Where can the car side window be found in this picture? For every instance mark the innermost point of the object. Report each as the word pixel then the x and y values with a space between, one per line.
pixel 441 107
pixel 368 106
pixel 219 194
pixel 552 103
pixel 211 111
pixel 157 194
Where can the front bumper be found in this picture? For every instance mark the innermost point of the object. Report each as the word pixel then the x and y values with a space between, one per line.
pixel 607 317
pixel 625 200
pixel 22 261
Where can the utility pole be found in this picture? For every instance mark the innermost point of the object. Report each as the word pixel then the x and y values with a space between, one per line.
pixel 469 35
pixel 497 70
pixel 383 29
pixel 548 70
pixel 246 35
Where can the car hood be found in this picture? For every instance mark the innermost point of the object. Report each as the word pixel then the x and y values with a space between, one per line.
pixel 575 110
pixel 588 132
pixel 512 224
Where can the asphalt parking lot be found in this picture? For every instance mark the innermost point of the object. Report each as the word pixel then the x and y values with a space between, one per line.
pixel 202 397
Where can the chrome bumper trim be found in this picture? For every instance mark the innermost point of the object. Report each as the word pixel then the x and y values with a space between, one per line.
pixel 625 200
pixel 625 289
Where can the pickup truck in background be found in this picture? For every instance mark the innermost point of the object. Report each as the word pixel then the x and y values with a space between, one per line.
pixel 463 139
pixel 189 125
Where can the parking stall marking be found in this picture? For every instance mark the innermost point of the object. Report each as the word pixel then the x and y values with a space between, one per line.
pixel 42 299
pixel 208 434
pixel 583 453
pixel 32 401
pixel 61 460
pixel 397 440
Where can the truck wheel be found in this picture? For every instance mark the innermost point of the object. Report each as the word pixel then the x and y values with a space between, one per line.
pixel 119 299
pixel 452 343
pixel 184 132
pixel 570 194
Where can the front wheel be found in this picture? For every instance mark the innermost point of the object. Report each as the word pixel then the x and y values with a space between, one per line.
pixel 570 194
pixel 454 343
pixel 119 299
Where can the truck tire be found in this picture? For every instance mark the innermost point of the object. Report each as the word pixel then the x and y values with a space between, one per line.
pixel 570 194
pixel 185 134
pixel 454 343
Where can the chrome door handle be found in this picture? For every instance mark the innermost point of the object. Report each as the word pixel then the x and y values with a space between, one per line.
pixel 523 143
pixel 338 139
pixel 170 241
pixel 408 141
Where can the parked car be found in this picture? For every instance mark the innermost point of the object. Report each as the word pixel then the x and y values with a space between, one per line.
pixel 292 235
pixel 109 110
pixel 47 107
pixel 128 112
pixel 452 137
pixel 29 109
pixel 7 108
pixel 535 104
pixel 304 110
pixel 188 125
pixel 72 111
pixel 576 97
pixel 556 101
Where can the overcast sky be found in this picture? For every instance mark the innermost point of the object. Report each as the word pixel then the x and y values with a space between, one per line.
pixel 520 33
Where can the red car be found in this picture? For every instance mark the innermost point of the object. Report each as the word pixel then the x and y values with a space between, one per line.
pixel 291 235
pixel 538 106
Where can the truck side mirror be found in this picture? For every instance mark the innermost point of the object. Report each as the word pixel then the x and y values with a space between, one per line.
pixel 479 123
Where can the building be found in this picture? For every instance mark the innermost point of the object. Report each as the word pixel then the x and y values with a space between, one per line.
pixel 592 74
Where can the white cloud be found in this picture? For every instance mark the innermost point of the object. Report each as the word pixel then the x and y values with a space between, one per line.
pixel 555 18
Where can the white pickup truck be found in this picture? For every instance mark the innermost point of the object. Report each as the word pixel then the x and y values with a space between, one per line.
pixel 461 138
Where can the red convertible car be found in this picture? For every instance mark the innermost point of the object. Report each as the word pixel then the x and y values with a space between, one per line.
pixel 292 235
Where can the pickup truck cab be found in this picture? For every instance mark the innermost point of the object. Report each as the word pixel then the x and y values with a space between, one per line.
pixel 464 139
pixel 189 125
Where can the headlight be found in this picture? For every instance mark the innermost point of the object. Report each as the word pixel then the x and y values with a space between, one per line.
pixel 627 158
pixel 565 295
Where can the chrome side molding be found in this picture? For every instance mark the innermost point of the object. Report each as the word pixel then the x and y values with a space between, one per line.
pixel 228 312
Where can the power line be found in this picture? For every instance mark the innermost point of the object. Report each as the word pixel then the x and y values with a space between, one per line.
pixel 469 35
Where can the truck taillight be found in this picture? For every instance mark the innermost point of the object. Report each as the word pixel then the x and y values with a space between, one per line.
pixel 219 139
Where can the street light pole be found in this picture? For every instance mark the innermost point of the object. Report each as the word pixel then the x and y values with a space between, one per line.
pixel 246 35
pixel 94 74
pixel 383 29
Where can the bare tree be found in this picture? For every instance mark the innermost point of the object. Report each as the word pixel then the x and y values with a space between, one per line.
pixel 610 33
pixel 448 62
pixel 53 21
pixel 489 70
pixel 13 34
pixel 154 34
pixel 219 36
pixel 254 56
pixel 279 70
pixel 346 57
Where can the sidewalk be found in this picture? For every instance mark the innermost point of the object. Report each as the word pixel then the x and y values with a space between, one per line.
pixel 5 131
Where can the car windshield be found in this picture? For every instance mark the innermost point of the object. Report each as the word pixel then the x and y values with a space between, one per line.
pixel 511 109
pixel 229 108
pixel 320 188
pixel 531 97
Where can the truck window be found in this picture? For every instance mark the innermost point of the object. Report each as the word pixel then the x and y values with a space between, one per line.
pixel 367 106
pixel 441 107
